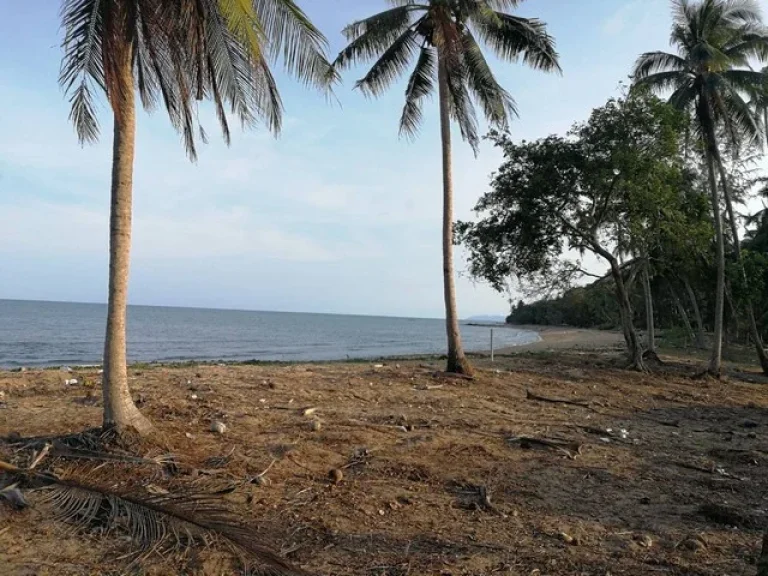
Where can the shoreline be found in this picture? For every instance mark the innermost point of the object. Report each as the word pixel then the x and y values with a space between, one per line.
pixel 558 338
pixel 550 339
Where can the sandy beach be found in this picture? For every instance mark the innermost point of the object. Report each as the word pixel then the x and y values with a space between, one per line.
pixel 555 465
pixel 566 338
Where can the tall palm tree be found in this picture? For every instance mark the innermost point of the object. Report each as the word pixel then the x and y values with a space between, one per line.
pixel 710 78
pixel 443 37
pixel 174 53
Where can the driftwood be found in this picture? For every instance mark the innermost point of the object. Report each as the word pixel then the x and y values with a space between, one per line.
pixel 531 396
pixel 452 375
pixel 570 449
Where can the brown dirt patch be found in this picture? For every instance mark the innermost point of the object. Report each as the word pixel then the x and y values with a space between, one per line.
pixel 432 484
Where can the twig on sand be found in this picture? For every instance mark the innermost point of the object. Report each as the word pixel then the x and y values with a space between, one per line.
pixel 570 449
pixel 39 457
pixel 453 375
pixel 531 396
pixel 267 469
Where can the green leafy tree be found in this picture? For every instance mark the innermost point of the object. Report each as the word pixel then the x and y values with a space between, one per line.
pixel 172 54
pixel 579 193
pixel 709 77
pixel 444 38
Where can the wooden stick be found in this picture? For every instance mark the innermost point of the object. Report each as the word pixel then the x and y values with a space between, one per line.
pixel 570 449
pixel 531 396
pixel 39 458
pixel 5 467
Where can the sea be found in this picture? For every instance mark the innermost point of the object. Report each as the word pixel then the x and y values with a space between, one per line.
pixel 39 334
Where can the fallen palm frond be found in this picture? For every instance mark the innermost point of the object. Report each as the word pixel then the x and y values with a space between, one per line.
pixel 156 523
pixel 63 451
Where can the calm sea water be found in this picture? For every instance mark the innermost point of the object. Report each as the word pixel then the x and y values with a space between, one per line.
pixel 55 333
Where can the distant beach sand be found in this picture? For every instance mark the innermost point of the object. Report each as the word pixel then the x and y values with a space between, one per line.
pixel 566 338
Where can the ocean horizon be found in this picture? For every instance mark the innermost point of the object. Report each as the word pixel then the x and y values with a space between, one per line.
pixel 46 333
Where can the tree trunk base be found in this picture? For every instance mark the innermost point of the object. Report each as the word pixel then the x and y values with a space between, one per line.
pixel 130 419
pixel 459 365
pixel 638 366
pixel 652 356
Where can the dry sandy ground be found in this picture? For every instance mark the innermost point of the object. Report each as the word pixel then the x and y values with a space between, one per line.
pixel 683 491
pixel 566 338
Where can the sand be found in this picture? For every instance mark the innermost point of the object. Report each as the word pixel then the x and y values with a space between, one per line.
pixel 566 338
pixel 657 473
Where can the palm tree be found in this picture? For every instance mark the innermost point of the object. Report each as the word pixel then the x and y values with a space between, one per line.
pixel 174 53
pixel 710 78
pixel 444 34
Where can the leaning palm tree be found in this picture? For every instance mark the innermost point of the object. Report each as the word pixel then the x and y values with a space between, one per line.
pixel 710 78
pixel 173 53
pixel 444 34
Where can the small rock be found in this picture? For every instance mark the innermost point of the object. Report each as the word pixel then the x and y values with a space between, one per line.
pixel 749 424
pixel 14 496
pixel 188 435
pixel 645 500
pixel 308 411
pixel 335 475
pixel 694 543
pixel 381 512
pixel 194 397
pixel 70 382
pixel 218 427
pixel 751 435
pixel 316 426
pixel 568 539
pixel 643 540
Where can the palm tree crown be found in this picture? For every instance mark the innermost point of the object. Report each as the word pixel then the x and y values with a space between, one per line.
pixel 185 51
pixel 449 29
pixel 715 40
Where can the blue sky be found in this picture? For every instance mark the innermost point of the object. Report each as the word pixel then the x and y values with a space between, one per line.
pixel 337 215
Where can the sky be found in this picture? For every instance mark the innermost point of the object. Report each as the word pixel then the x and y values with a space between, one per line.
pixel 337 215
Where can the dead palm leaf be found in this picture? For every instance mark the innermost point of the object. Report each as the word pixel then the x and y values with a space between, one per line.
pixel 156 523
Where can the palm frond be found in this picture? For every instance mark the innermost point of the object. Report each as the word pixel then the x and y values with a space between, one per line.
pixel 390 65
pixel 738 12
pixel 512 38
pixel 369 38
pixel 749 44
pixel 155 523
pixel 243 23
pixel 651 63
pixel 461 108
pixel 735 115
pixel 82 67
pixel 420 85
pixel 498 105
pixel 293 38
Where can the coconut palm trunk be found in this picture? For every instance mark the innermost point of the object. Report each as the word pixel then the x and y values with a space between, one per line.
pixel 119 410
pixel 715 360
pixel 457 361
pixel 752 323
